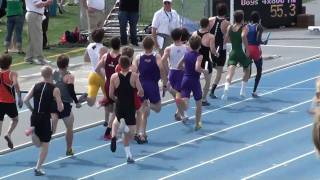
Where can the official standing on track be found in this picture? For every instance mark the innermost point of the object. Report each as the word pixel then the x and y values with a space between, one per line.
pixel 164 21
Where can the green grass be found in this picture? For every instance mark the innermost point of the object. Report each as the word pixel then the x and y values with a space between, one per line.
pixel 57 26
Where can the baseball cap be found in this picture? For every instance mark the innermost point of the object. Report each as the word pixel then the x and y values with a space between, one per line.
pixel 170 1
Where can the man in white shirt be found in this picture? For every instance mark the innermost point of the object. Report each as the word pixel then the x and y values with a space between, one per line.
pixel 96 14
pixel 164 21
pixel 34 17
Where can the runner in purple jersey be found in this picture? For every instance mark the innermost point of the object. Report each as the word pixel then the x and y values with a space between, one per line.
pixel 191 79
pixel 148 65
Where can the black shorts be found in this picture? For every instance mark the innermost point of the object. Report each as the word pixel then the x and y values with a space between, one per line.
pixel 210 65
pixel 221 60
pixel 9 109
pixel 129 115
pixel 67 108
pixel 42 126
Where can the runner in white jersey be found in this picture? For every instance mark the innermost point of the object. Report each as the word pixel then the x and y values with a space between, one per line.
pixel 93 53
pixel 171 57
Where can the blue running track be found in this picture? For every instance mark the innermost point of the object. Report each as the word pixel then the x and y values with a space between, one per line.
pixel 242 138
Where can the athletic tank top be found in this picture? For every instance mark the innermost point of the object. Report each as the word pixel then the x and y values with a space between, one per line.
pixel 217 32
pixel 125 93
pixel 252 34
pixel 93 50
pixel 7 94
pixel 43 97
pixel 190 59
pixel 176 54
pixel 148 68
pixel 236 40
pixel 204 50
pixel 110 65
pixel 58 78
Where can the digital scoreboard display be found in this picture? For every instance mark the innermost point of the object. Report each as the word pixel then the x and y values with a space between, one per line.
pixel 274 13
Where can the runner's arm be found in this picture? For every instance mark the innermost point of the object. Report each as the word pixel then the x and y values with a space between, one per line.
pixel 245 39
pixel 226 35
pixel 14 78
pixel 164 60
pixel 198 67
pixel 57 96
pixel 162 71
pixel 112 86
pixel 27 98
pixel 100 65
pixel 70 85
pixel 138 85
pixel 135 64
pixel 213 46
pixel 259 34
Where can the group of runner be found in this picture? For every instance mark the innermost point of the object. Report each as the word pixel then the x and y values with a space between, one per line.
pixel 130 83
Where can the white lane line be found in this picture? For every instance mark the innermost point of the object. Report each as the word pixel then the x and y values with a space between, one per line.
pixel 199 138
pixel 167 125
pixel 287 46
pixel 279 165
pixel 235 152
pixel 270 87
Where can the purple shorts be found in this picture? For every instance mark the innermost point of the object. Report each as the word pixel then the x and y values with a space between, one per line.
pixel 175 79
pixel 191 84
pixel 151 91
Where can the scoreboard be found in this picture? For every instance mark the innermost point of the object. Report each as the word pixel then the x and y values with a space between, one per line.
pixel 274 13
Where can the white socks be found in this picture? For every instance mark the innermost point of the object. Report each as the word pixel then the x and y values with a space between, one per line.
pixel 128 152
pixel 225 92
pixel 226 86
pixel 243 89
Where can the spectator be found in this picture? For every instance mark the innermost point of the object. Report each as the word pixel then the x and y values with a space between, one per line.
pixel 15 20
pixel 34 15
pixel 164 21
pixel 128 11
pixel 96 14
pixel 45 24
pixel 83 15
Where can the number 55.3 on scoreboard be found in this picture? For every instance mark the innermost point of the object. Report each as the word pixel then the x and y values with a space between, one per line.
pixel 274 13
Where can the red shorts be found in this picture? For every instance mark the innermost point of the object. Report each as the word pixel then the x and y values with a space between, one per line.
pixel 255 52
